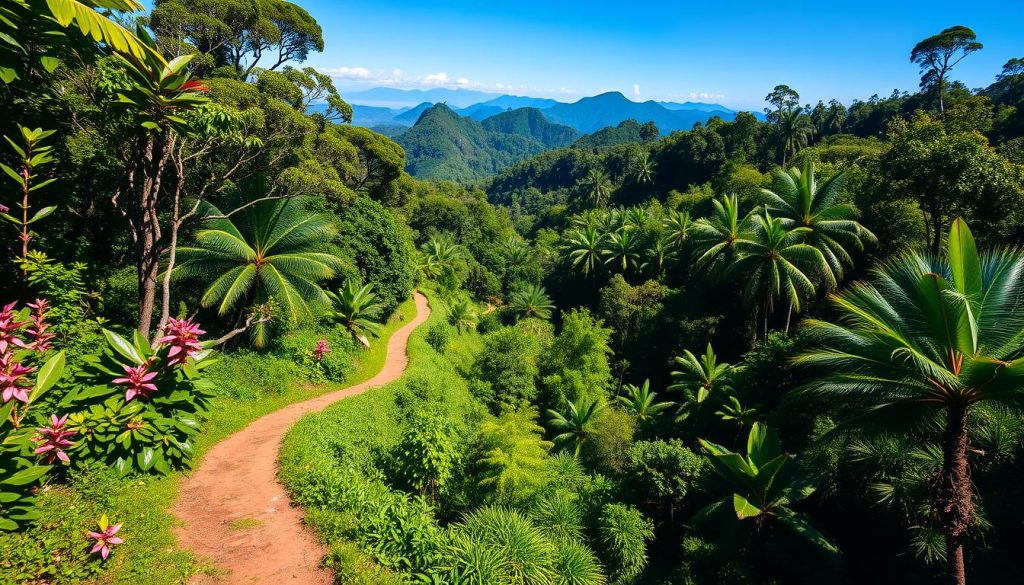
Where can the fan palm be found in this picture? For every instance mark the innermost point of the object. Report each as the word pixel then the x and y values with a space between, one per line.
pixel 635 218
pixel 777 266
pixel 676 225
pixel 641 401
pixel 598 187
pixel 765 482
pixel 266 252
pixel 795 131
pixel 659 252
pixel 462 315
pixel 715 236
pixel 355 309
pixel 574 425
pixel 928 336
pixel 442 254
pixel 644 169
pixel 700 378
pixel 532 301
pixel 622 249
pixel 800 201
pixel 585 246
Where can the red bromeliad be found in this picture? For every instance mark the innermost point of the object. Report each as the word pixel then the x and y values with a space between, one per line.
pixel 139 382
pixel 54 439
pixel 183 337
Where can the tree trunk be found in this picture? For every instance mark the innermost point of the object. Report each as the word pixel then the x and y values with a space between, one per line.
pixel 789 316
pixel 953 504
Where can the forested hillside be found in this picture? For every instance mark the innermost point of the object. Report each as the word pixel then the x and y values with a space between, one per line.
pixel 745 351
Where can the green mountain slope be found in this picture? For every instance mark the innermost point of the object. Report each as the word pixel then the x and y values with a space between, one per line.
pixel 531 122
pixel 444 145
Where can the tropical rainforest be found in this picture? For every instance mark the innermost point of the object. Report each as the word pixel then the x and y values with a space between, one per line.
pixel 785 348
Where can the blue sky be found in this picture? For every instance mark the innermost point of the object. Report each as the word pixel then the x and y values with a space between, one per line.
pixel 727 52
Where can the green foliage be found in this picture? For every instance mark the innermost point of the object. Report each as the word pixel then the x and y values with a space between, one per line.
pixel 574 425
pixel 355 308
pixel 623 535
pixel 610 436
pixel 439 336
pixel 513 456
pixel 372 240
pixel 508 364
pixel 127 425
pixel 665 472
pixel 575 366
pixel 531 301
pixel 640 401
pixel 427 455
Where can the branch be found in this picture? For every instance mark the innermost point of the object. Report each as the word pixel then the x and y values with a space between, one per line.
pixel 247 205
pixel 240 330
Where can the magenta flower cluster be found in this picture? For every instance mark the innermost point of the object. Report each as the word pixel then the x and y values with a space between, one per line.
pixel 13 384
pixel 53 439
pixel 105 538
pixel 139 381
pixel 183 337
pixel 322 348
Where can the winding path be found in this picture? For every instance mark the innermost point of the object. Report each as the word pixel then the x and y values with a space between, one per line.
pixel 237 516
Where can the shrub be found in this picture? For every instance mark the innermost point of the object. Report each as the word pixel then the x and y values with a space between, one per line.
pixel 426 457
pixel 513 456
pixel 623 533
pixel 609 437
pixel 508 363
pixel 575 366
pixel 663 471
pixel 300 347
pixel 439 336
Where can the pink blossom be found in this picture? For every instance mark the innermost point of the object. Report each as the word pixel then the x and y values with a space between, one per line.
pixel 138 379
pixel 4 208
pixel 9 327
pixel 54 439
pixel 183 337
pixel 40 338
pixel 105 537
pixel 322 348
pixel 12 379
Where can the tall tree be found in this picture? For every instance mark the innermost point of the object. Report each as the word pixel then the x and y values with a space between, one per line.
pixel 938 54
pixel 930 336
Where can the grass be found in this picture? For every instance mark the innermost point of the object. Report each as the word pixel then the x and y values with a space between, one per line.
pixel 55 551
pixel 244 523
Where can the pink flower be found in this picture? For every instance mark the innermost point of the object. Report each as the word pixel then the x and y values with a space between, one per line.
pixel 12 379
pixel 105 537
pixel 4 208
pixel 40 339
pixel 54 439
pixel 321 349
pixel 9 327
pixel 183 337
pixel 138 379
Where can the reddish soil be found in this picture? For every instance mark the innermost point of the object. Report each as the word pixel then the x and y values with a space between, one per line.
pixel 237 517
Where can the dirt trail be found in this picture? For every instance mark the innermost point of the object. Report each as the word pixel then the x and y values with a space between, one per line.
pixel 237 516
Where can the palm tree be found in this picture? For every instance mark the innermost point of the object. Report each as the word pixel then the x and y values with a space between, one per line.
pixel 795 130
pixel 931 336
pixel 765 482
pixel 574 425
pixel 661 249
pixel 776 266
pixel 584 246
pixel 700 378
pixel 532 301
pixel 800 201
pixel 621 249
pixel 715 236
pixel 266 252
pixel 442 255
pixel 462 315
pixel 641 401
pixel 644 169
pixel 355 308
pixel 598 187
pixel 634 218
pixel 677 224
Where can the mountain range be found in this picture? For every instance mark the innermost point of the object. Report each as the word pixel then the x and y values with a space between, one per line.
pixel 399 107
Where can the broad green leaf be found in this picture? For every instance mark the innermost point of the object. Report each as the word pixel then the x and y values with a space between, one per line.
pixel 43 213
pixel 762 444
pixel 964 261
pixel 27 475
pixel 123 346
pixel 744 509
pixel 49 374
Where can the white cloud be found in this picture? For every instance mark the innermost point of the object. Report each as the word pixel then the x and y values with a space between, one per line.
pixel 399 79
pixel 636 90
pixel 705 95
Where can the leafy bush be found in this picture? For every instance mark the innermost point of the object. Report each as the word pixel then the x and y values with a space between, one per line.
pixel 426 457
pixel 136 407
pixel 513 456
pixel 623 533
pixel 300 348
pixel 508 363
pixel 439 336
pixel 663 472
pixel 610 435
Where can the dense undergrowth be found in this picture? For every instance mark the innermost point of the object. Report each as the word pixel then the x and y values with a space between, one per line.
pixel 248 384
